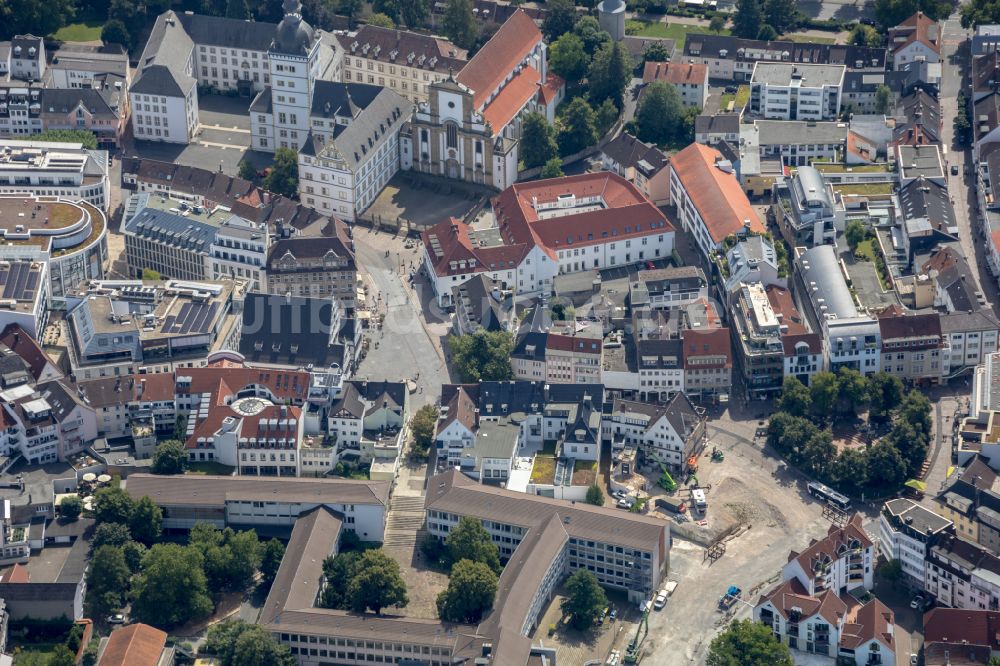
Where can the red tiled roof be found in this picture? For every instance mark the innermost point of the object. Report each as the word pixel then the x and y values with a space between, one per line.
pixel 512 98
pixel 717 195
pixel 782 303
pixel 548 90
pixel 712 342
pixel 962 627
pixel 873 621
pixel 791 594
pixel 627 214
pixel 16 574
pixel 499 56
pixel 789 342
pixel 134 645
pixel 572 343
pixel 25 346
pixel 675 73
pixel 918 27
pixel 826 549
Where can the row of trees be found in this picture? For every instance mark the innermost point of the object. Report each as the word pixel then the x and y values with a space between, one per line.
pixel 168 584
pixel 474 570
pixel 883 467
pixel 765 19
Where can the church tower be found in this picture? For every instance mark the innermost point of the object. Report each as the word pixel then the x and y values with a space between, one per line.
pixel 293 61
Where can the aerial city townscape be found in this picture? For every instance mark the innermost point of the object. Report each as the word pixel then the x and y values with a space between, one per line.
pixel 489 333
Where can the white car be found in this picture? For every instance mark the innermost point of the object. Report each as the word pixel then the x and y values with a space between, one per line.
pixel 660 601
pixel 116 619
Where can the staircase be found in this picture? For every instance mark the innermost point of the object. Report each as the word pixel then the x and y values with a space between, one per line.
pixel 404 525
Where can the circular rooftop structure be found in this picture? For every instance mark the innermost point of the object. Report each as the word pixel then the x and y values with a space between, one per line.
pixel 251 406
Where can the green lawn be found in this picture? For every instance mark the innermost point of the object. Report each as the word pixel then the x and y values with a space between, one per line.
pixel 866 250
pixel 675 31
pixel 88 29
pixel 36 655
pixel 810 39
pixel 870 189
pixel 739 99
pixel 860 168
pixel 209 467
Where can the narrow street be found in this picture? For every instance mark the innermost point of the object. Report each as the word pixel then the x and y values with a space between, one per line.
pixel 955 63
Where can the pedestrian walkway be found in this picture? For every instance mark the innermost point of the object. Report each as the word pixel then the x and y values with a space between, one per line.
pixel 404 525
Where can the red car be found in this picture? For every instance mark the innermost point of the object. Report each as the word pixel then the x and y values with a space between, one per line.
pixel 650 265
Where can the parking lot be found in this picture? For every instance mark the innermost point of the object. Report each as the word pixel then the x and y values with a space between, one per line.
pixel 420 200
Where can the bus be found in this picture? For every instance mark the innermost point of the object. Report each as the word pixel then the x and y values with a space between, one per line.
pixel 829 496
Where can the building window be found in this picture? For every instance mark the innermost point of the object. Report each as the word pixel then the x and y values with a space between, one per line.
pixel 452 135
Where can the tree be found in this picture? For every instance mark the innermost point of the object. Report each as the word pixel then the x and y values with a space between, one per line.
pixel 819 454
pixel 71 507
pixel 171 589
pixel 170 458
pixel 747 19
pixel 381 21
pixel 538 140
pixel 237 643
pixel 107 581
pixel 472 586
pixel 482 356
pixel 552 169
pixel 606 116
pixel 112 505
pixel 584 599
pixel 824 392
pixel 338 571
pixel 856 232
pixel 377 584
pixel 591 33
pixel 865 35
pixel 748 643
pixel 595 495
pixel 560 17
pixel 852 390
pixel 414 12
pixel 883 99
pixel 110 534
pixel 470 541
pixel 660 112
pixel 578 128
pixel 886 468
pixel 238 9
pixel 655 52
pixel 459 23
pixel 284 175
pixel 849 471
pixel 568 59
pixel 389 8
pixel 350 9
pixel 915 409
pixel 230 558
pixel 422 426
pixel 246 171
pixel 767 33
pixel 114 32
pixel 134 552
pixel 61 656
pixel 610 73
pixel 180 427
pixel 795 397
pixel 885 392
pixel 963 122
pixel 911 444
pixel 145 521
pixel 150 274
pixel 270 560
pixel 718 23
pixel 84 137
pixel 782 15
pixel 35 17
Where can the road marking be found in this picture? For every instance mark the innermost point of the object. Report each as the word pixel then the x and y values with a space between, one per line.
pixel 221 128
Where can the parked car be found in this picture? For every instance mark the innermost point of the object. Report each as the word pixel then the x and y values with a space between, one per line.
pixel 954 169
pixel 650 265
pixel 918 602
pixel 116 619
pixel 626 503
pixel 614 614
pixel 660 601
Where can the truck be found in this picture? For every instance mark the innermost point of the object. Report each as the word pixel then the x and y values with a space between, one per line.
pixel 671 504
pixel 731 596
pixel 698 498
